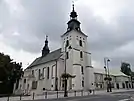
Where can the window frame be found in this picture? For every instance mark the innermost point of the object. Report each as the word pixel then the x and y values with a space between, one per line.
pixel 82 69
pixel 48 72
pixel 39 74
pixel 80 43
pixel 81 54
pixel 67 43
pixel 67 55
pixel 82 83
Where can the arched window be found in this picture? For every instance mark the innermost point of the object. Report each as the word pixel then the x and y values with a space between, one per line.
pixel 81 54
pixel 67 55
pixel 82 83
pixel 52 72
pixel 27 86
pixel 24 80
pixel 39 74
pixel 82 70
pixel 67 43
pixel 33 72
pixel 43 72
pixel 47 72
pixel 80 42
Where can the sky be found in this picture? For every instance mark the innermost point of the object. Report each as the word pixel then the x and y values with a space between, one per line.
pixel 108 24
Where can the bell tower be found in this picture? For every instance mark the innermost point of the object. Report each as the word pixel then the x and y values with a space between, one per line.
pixel 78 62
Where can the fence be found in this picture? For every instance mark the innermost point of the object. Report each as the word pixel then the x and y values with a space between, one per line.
pixel 47 95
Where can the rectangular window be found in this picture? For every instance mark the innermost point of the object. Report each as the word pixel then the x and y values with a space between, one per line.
pixel 67 55
pixel 82 83
pixel 81 54
pixel 47 72
pixel 82 70
pixel 34 85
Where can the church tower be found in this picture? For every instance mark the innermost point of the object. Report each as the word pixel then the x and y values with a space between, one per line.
pixel 45 50
pixel 78 59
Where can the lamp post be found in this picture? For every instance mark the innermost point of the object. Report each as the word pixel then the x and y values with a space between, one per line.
pixel 108 78
pixel 65 78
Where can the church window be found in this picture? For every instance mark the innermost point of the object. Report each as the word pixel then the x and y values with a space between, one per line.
pixel 52 72
pixel 82 83
pixel 24 80
pixel 67 43
pixel 80 37
pixel 67 55
pixel 82 70
pixel 27 86
pixel 67 37
pixel 47 72
pixel 83 39
pixel 43 72
pixel 33 72
pixel 39 74
pixel 34 85
pixel 80 42
pixel 81 54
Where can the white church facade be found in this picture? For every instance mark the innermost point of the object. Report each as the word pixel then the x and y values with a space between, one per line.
pixel 47 72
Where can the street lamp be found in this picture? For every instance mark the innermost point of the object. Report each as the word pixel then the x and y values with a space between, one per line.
pixel 107 78
pixel 65 90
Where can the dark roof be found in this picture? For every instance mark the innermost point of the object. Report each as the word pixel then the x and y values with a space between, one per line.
pixel 49 57
pixel 73 30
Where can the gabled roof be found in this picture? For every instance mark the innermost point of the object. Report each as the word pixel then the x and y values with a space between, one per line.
pixel 49 57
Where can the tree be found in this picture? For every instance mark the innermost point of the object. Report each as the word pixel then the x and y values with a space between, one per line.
pixel 67 75
pixel 10 72
pixel 125 68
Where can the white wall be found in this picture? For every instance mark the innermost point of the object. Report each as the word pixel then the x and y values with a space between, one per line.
pixel 74 62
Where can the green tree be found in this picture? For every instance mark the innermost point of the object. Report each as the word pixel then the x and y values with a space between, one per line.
pixel 10 72
pixel 125 68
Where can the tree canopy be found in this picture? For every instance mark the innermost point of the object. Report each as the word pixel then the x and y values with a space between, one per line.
pixel 125 68
pixel 10 72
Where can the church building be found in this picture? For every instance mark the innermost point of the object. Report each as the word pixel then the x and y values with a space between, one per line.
pixel 72 61
pixel 68 67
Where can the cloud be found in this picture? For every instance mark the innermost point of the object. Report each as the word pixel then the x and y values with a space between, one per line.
pixel 38 19
pixel 108 24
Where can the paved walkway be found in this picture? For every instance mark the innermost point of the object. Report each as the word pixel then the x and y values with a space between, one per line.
pixel 61 95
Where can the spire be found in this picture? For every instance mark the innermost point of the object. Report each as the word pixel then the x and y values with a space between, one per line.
pixel 45 50
pixel 73 6
pixel 73 24
pixel 73 14
pixel 46 41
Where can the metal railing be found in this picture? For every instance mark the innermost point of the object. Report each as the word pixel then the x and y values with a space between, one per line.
pixel 46 95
